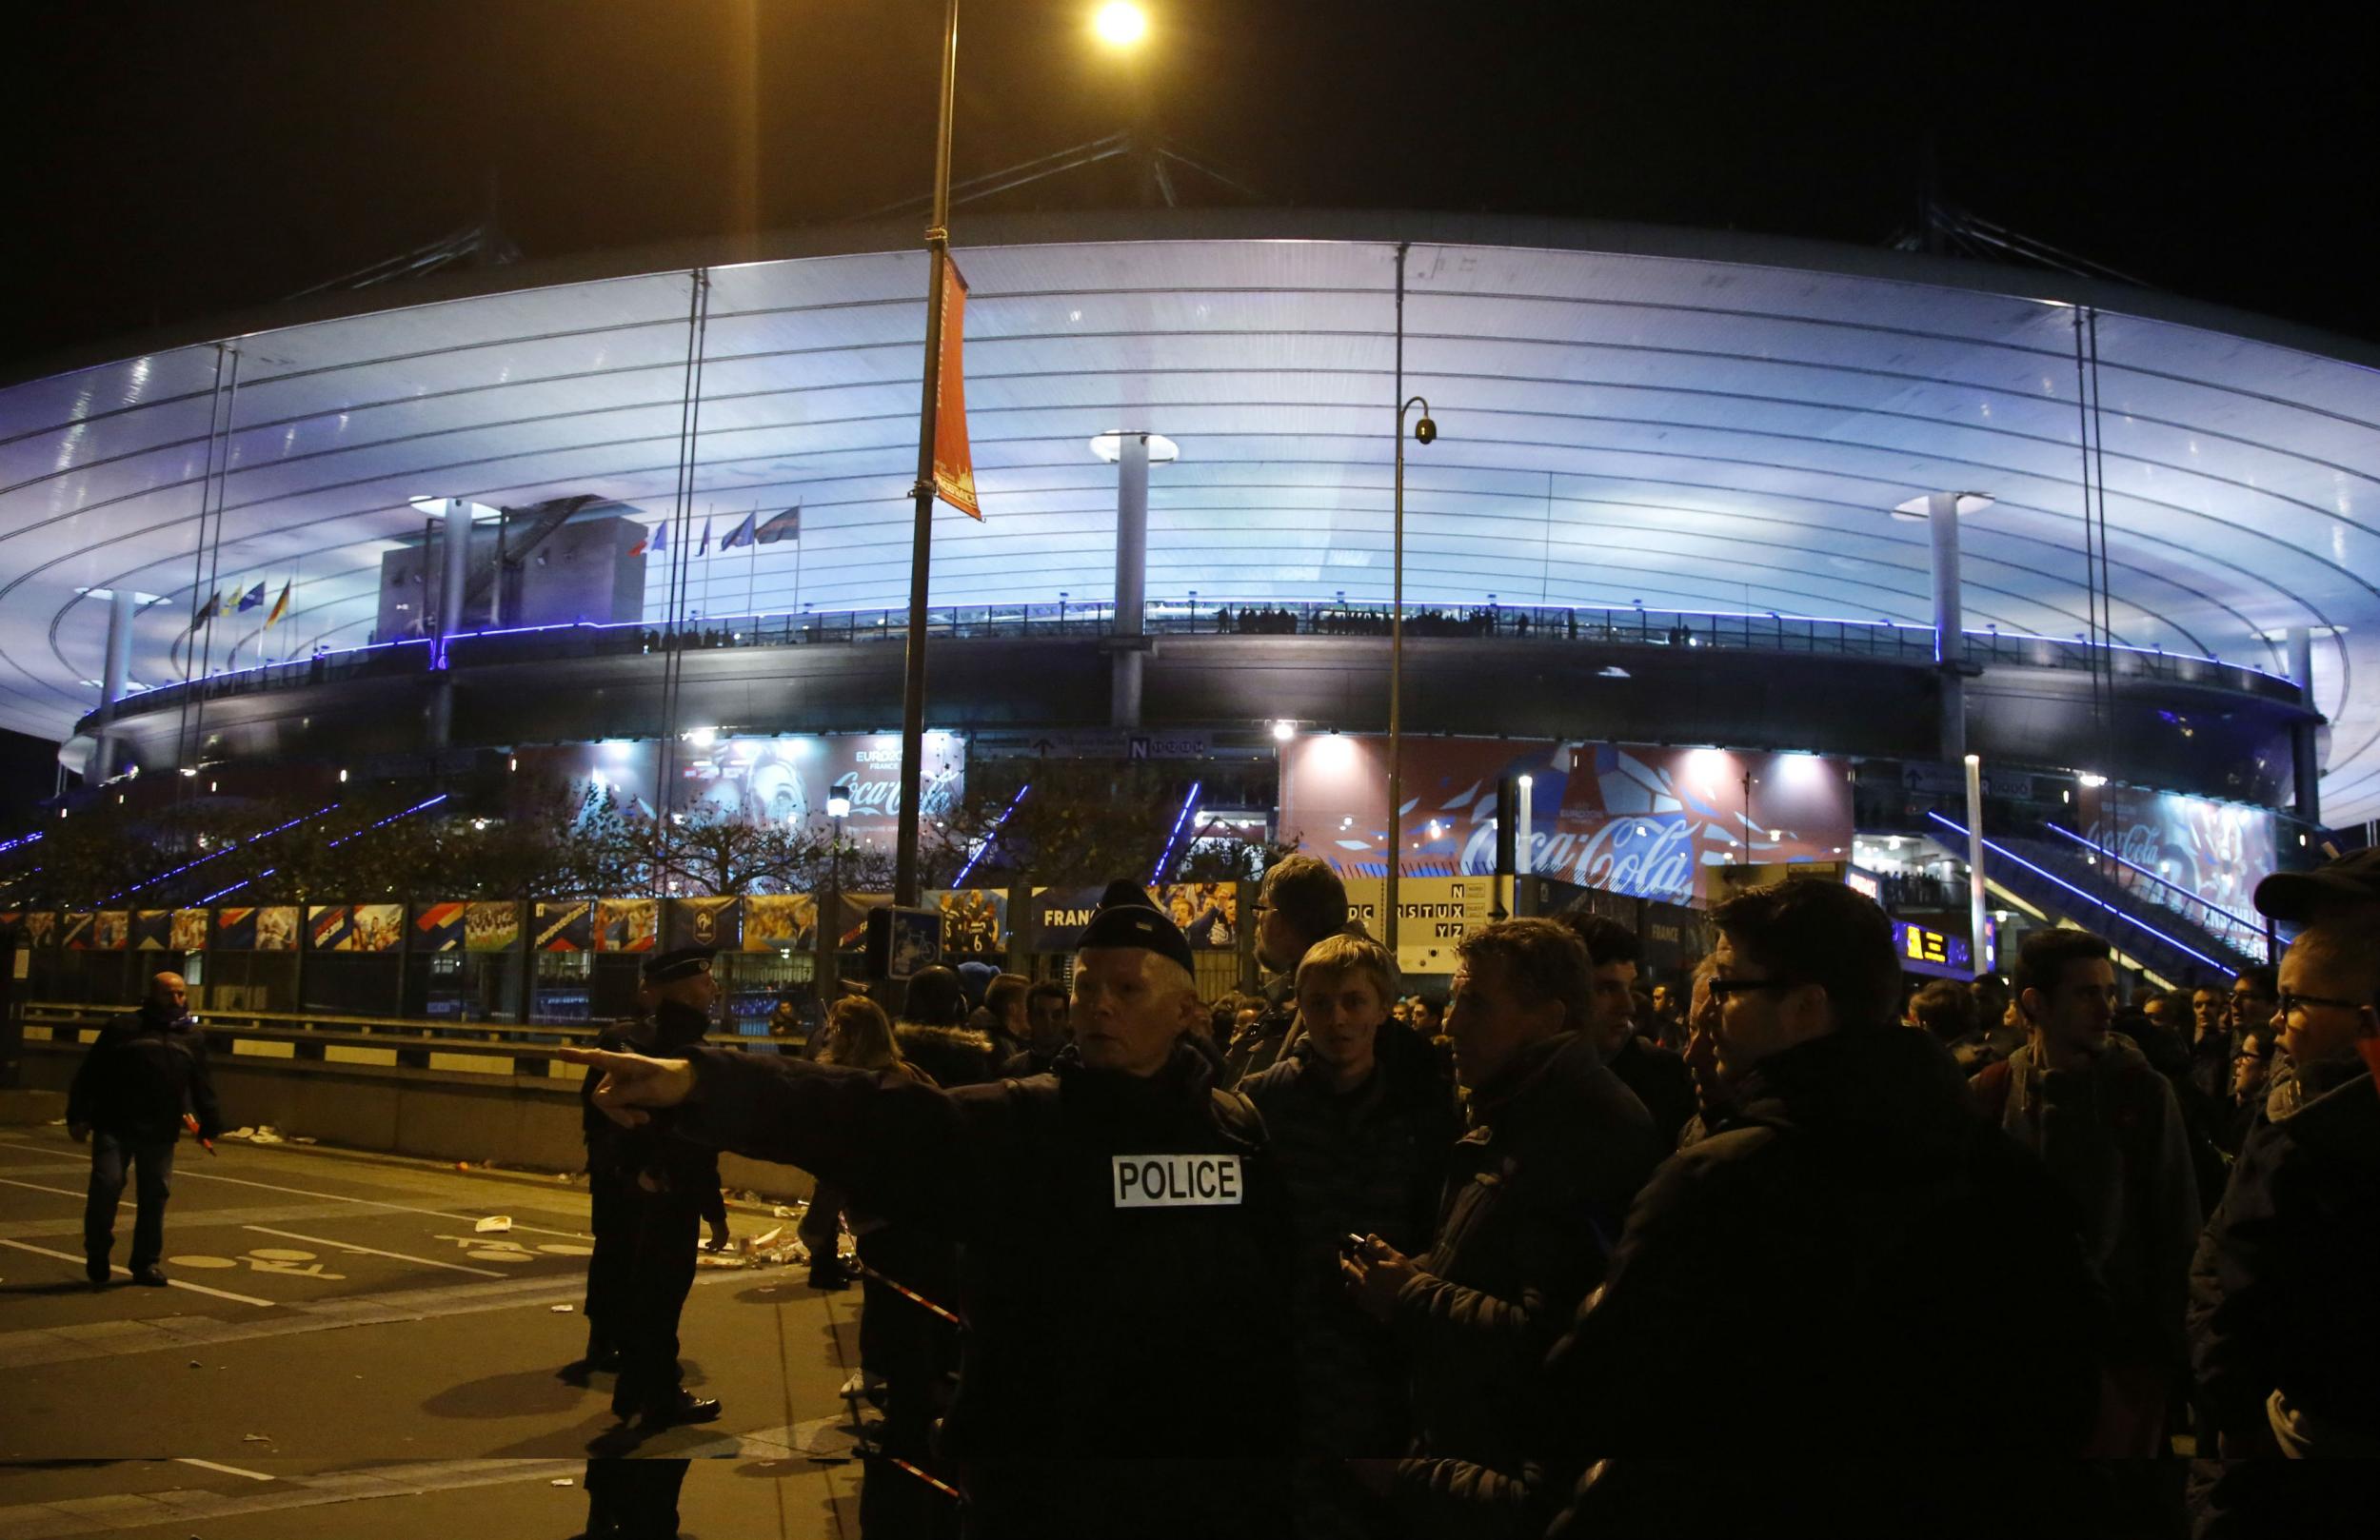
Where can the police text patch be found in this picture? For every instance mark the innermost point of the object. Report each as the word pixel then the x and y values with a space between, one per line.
pixel 1167 1182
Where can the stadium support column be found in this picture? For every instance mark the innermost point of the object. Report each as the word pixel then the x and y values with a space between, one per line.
pixel 1950 634
pixel 455 565
pixel 1132 570
pixel 117 670
pixel 2305 737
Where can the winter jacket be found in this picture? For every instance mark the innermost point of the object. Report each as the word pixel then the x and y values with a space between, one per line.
pixel 1659 1080
pixel 142 1075
pixel 1535 1194
pixel 1368 1161
pixel 1103 1216
pixel 951 1057
pixel 672 1164
pixel 2281 1289
pixel 2111 1133
pixel 1854 1268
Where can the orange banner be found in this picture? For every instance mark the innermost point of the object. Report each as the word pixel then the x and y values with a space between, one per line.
pixel 954 462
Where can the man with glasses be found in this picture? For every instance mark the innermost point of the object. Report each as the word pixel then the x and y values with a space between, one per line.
pixel 1827 1314
pixel 2283 1336
pixel 2212 1044
pixel 1302 900
pixel 2254 994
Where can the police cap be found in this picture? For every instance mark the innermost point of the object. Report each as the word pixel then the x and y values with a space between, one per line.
pixel 685 962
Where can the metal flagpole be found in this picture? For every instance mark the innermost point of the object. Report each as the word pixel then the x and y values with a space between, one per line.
pixel 922 535
pixel 1396 634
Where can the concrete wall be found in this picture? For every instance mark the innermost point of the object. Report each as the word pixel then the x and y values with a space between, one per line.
pixel 516 1122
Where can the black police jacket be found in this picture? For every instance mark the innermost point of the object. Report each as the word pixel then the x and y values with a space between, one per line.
pixel 675 1165
pixel 141 1076
pixel 1127 1241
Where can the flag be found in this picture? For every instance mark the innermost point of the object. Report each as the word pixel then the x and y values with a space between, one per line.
pixel 954 462
pixel 786 526
pixel 253 599
pixel 741 534
pixel 702 547
pixel 656 544
pixel 200 616
pixel 281 605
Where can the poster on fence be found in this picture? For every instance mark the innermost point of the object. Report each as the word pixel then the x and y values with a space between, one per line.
pixel 74 932
pixel 277 927
pixel 491 927
pixel 152 930
pixel 111 930
pixel 1207 913
pixel 780 922
pixel 437 927
pixel 975 920
pixel 627 924
pixel 189 930
pixel 703 922
pixel 563 927
pixel 41 927
pixel 354 927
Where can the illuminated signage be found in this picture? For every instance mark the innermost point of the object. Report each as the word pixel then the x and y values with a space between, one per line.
pixel 1927 951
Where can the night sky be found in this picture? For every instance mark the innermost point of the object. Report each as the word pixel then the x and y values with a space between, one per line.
pixel 174 161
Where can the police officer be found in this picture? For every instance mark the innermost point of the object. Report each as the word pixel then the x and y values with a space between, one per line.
pixel 650 1191
pixel 1125 1244
pixel 130 1097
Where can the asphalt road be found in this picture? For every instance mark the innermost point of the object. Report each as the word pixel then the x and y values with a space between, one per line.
pixel 343 1353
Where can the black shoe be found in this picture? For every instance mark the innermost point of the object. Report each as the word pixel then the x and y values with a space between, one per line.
pixel 96 1270
pixel 606 1362
pixel 153 1275
pixel 686 1408
pixel 830 1277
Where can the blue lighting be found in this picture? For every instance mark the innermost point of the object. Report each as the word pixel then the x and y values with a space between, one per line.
pixel 226 850
pixel 2135 866
pixel 2010 855
pixel 1167 858
pixel 989 835
pixel 334 845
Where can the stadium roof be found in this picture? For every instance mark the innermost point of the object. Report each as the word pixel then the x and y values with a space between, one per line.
pixel 1692 420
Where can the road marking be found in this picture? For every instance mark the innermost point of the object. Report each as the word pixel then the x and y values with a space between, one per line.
pixel 372 1251
pixel 226 1469
pixel 181 1171
pixel 171 1283
pixel 36 1187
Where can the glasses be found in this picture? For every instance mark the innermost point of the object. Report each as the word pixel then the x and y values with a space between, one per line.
pixel 2293 1002
pixel 1721 988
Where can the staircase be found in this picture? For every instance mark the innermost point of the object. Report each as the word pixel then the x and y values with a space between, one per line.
pixel 2055 878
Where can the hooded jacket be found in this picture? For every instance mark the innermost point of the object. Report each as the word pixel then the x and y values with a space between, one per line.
pixel 142 1075
pixel 1856 1268
pixel 1094 1328
pixel 952 1056
pixel 1535 1194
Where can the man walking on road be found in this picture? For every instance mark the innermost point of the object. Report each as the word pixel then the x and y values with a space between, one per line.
pixel 650 1192
pixel 1126 1245
pixel 130 1097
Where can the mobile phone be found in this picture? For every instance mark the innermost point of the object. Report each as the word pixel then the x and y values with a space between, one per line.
pixel 1351 1244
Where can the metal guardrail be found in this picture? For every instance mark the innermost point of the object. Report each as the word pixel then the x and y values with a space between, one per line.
pixel 1551 624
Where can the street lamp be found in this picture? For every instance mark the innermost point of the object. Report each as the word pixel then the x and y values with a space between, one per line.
pixel 830 969
pixel 1425 431
pixel 1121 24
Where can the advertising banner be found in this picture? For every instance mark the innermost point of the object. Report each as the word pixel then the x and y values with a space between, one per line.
pixel 152 930
pixel 277 927
pixel 437 927
pixel 491 927
pixel 1208 912
pixel 235 930
pixel 41 927
pixel 702 922
pixel 74 931
pixel 780 921
pixel 627 924
pixel 781 780
pixel 2199 857
pixel 354 927
pixel 563 927
pixel 111 930
pixel 1059 916
pixel 975 920
pixel 1644 822
pixel 189 930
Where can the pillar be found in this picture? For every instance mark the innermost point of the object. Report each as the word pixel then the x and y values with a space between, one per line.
pixel 1132 571
pixel 2305 737
pixel 113 675
pixel 1974 862
pixel 1950 626
pixel 455 574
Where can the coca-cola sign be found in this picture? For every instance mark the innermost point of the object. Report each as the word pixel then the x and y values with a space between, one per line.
pixel 1637 819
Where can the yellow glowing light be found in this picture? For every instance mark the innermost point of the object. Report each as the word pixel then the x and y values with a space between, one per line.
pixel 1119 24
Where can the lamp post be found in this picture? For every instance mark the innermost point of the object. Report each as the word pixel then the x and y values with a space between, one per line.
pixel 830 914
pixel 1121 25
pixel 1425 431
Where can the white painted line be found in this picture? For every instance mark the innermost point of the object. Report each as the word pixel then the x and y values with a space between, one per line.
pixel 226 1469
pixel 373 1251
pixel 36 1187
pixel 174 1283
pixel 184 1169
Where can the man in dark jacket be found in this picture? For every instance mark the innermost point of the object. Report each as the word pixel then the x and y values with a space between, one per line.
pixel 1830 1315
pixel 1105 1209
pixel 2283 1336
pixel 1301 902
pixel 933 1034
pixel 1658 1078
pixel 649 1195
pixel 1536 1192
pixel 129 1096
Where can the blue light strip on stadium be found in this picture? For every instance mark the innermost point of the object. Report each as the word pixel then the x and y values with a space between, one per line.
pixel 20 840
pixel 334 845
pixel 961 880
pixel 1167 858
pixel 2133 866
pixel 226 850
pixel 2011 856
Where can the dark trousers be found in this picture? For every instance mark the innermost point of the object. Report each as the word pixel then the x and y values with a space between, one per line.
pixel 633 1500
pixel 661 1270
pixel 608 1271
pixel 110 1154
